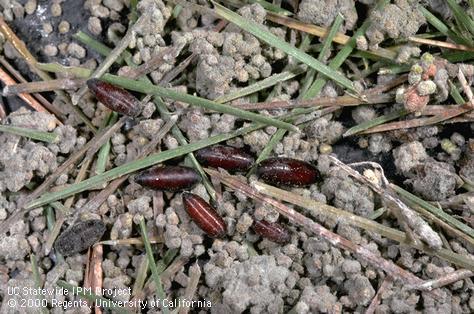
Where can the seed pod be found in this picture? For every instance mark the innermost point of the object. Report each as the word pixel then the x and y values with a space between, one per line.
pixel 272 231
pixel 226 157
pixel 80 237
pixel 115 98
pixel 287 172
pixel 169 178
pixel 204 215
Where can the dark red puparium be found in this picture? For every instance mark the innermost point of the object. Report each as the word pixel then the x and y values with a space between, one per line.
pixel 226 157
pixel 204 215
pixel 287 172
pixel 115 98
pixel 272 231
pixel 168 178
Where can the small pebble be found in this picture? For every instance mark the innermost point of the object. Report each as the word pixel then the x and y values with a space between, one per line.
pixel 458 139
pixel 56 9
pixel 100 11
pixel 62 48
pixel 50 50
pixel 362 43
pixel 47 28
pixel 3 214
pixel 64 27
pixel 426 88
pixel 113 5
pixel 18 10
pixel 30 7
pixel 94 26
pixel 76 51
pixel 325 149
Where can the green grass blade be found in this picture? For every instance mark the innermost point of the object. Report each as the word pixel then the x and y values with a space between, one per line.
pixel 63 209
pixel 336 25
pixel 92 297
pixel 438 212
pixel 133 15
pixel 50 222
pixel 137 165
pixel 149 88
pixel 103 154
pixel 98 46
pixel 462 18
pixel 260 85
pixel 50 218
pixel 304 45
pixel 178 134
pixel 267 150
pixel 272 8
pixel 59 68
pixel 264 35
pixel 376 214
pixel 309 77
pixel 441 27
pixel 339 59
pixel 48 137
pixel 152 264
pixel 454 92
pixel 313 89
pixel 374 122
pixel 37 279
pixel 162 264
pixel 457 56
pixel 166 260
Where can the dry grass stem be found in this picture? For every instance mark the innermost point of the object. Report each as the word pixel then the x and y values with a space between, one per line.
pixel 321 32
pixel 96 271
pixel 152 64
pixel 406 216
pixel 437 43
pixel 20 46
pixel 466 88
pixel 320 209
pixel 43 86
pixel 376 300
pixel 48 105
pixel 97 200
pixel 442 116
pixel 444 280
pixel 194 275
pixel 130 241
pixel 341 101
pixel 30 100
pixel 334 239
pixel 61 214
